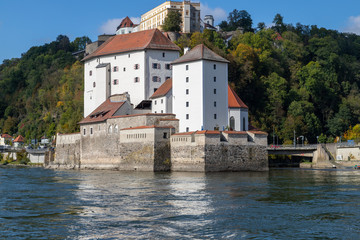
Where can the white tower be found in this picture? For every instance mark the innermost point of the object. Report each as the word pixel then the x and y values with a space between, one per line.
pixel 200 90
pixel 209 19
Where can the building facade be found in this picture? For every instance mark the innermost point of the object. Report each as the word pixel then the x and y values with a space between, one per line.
pixel 136 63
pixel 200 90
pixel 190 14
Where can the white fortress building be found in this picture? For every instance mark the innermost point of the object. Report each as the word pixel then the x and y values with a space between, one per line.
pixel 190 15
pixel 136 63
pixel 147 109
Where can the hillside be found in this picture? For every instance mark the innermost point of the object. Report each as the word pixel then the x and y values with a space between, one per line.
pixel 301 78
pixel 41 93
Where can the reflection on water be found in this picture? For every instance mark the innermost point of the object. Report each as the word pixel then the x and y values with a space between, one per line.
pixel 281 204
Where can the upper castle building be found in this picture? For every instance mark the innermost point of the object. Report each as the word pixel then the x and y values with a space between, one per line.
pixel 190 15
pixel 136 63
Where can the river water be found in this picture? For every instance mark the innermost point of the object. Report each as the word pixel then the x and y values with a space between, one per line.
pixel 38 203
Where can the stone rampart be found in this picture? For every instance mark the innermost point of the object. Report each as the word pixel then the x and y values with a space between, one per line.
pixel 67 151
pixel 216 152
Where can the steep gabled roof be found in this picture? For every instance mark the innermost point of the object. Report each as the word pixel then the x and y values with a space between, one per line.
pixel 200 52
pixel 148 39
pixel 163 89
pixel 5 135
pixel 126 22
pixel 106 110
pixel 19 139
pixel 233 100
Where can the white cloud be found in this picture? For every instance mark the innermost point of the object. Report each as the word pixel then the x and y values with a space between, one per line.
pixel 219 14
pixel 353 25
pixel 110 26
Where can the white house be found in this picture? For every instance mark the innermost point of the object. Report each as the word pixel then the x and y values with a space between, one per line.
pixel 162 98
pixel 200 90
pixel 136 63
pixel 238 112
pixel 126 26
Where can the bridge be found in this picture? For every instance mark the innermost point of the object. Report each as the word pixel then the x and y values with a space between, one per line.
pixel 297 150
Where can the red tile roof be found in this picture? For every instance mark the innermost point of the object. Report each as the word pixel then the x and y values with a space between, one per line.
pixel 169 119
pixel 19 139
pixel 200 52
pixel 258 132
pixel 145 127
pixel 236 132
pixel 103 112
pixel 233 100
pixel 148 39
pixel 163 89
pixel 207 132
pixel 126 22
pixel 5 135
pixel 183 133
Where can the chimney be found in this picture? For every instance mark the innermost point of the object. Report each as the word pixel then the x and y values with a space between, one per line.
pixel 186 49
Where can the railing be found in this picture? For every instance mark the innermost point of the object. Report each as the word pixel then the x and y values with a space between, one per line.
pixel 286 147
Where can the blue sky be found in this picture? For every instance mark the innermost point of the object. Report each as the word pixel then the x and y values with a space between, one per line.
pixel 27 23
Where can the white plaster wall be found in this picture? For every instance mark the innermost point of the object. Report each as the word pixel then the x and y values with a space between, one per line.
pixel 345 153
pixel 159 105
pixel 195 96
pixel 126 79
pixel 221 96
pixel 125 30
pixel 239 114
pixel 156 56
pixel 89 104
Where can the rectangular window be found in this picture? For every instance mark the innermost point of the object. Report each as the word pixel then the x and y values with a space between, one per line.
pixel 162 101
pixel 90 73
pixel 136 79
pixel 214 66
pixel 187 79
pixel 187 104
pixel 84 131
pixel 214 116
pixel 129 56
pixel 124 69
pixel 214 79
pixel 163 54
pixel 214 90
pixel 187 116
pixel 155 102
pixel 187 129
pixel 94 84
pixel 156 79
pixel 136 66
pixel 187 91
pixel 168 66
pixel 162 111
pixel 215 104
pixel 187 67
pixel 164 135
pixel 91 131
pixel 115 69
pixel 116 82
pixel 156 65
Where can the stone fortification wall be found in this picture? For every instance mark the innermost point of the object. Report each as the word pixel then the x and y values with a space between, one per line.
pixel 216 152
pixel 67 151
pixel 146 149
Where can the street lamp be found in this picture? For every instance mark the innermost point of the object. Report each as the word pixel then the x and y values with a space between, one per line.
pixel 317 139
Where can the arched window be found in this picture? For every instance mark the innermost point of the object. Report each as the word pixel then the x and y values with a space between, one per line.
pixel 110 129
pixel 232 123
pixel 116 128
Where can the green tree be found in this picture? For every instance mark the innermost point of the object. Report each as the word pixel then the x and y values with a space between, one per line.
pixel 172 22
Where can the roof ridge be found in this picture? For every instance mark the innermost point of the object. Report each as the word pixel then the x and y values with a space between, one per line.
pixel 151 38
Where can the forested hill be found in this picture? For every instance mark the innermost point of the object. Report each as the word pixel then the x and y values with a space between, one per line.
pixel 41 93
pixel 301 78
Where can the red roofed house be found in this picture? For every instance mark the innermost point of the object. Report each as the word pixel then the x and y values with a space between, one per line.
pixel 19 141
pixel 238 112
pixel 137 63
pixel 126 26
pixel 5 139
pixel 162 98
